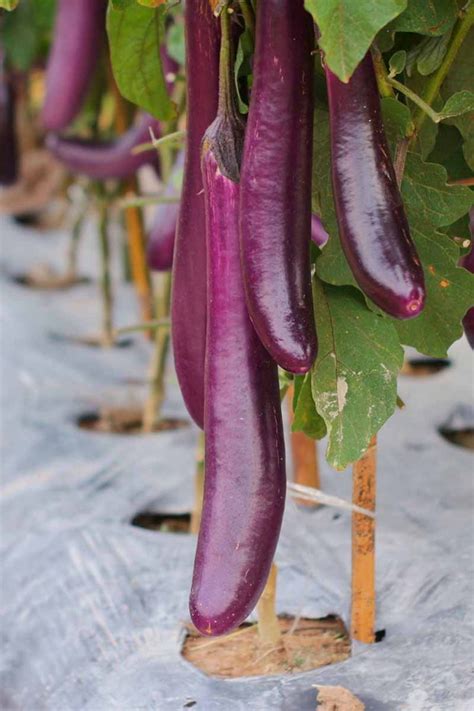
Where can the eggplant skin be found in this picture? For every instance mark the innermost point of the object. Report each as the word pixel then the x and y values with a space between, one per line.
pixel 275 210
pixel 245 481
pixel 79 32
pixel 373 227
pixel 8 138
pixel 103 160
pixel 188 297
pixel 318 234
pixel 162 235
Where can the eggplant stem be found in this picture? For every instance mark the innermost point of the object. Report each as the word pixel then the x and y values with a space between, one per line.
pixel 249 16
pixel 461 29
pixel 268 625
pixel 363 547
pixel 152 409
pixel 381 74
pixel 73 247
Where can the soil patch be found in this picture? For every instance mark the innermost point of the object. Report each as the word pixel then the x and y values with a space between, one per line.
pixel 305 644
pixel 91 341
pixel 124 420
pixel 463 437
pixel 164 522
pixel 44 278
pixel 421 367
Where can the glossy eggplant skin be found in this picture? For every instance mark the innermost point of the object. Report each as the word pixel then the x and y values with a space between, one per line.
pixel 188 298
pixel 79 31
pixel 373 227
pixel 318 234
pixel 245 481
pixel 8 138
pixel 163 231
pixel 275 210
pixel 102 160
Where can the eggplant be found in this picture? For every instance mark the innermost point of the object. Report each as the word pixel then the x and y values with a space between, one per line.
pixel 79 31
pixel 468 263
pixel 373 227
pixel 113 159
pixel 245 482
pixel 8 137
pixel 318 234
pixel 188 298
pixel 162 234
pixel 275 210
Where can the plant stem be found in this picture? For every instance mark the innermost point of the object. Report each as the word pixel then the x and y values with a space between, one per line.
pixel 71 259
pixel 198 486
pixel 106 280
pixel 156 393
pixel 177 137
pixel 461 29
pixel 426 108
pixel 268 625
pixel 249 16
pixel 385 89
pixel 363 547
pixel 304 456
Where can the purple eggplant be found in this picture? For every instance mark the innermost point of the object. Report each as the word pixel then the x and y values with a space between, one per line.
pixel 162 234
pixel 8 138
pixel 372 223
pixel 468 263
pixel 79 32
pixel 318 234
pixel 101 160
pixel 188 299
pixel 245 482
pixel 275 211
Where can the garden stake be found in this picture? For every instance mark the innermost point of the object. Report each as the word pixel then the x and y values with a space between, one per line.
pixel 363 547
pixel 151 412
pixel 268 625
pixel 106 280
pixel 304 456
pixel 198 486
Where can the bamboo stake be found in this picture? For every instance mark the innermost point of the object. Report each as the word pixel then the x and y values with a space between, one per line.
pixel 106 279
pixel 198 486
pixel 304 456
pixel 363 547
pixel 268 625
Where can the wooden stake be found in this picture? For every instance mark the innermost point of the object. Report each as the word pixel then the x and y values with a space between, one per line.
pixel 198 486
pixel 156 393
pixel 363 547
pixel 268 625
pixel 304 456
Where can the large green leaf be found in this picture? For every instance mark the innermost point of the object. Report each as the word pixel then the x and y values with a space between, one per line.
pixel 354 378
pixel 348 28
pixel 135 35
pixel 306 419
pixel 25 33
pixel 433 17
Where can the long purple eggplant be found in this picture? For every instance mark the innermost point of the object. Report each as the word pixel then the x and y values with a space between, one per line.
pixel 245 483
pixel 275 213
pixel 373 227
pixel 79 31
pixel 188 299
pixel 163 231
pixel 113 159
pixel 468 263
pixel 8 138
pixel 318 234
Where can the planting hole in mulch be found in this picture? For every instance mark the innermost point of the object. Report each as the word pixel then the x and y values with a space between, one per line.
pixel 421 367
pixel 45 278
pixel 163 522
pixel 124 420
pixel 462 437
pixel 305 644
pixel 90 341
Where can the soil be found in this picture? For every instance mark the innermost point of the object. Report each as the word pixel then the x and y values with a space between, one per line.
pixel 305 644
pixel 163 522
pixel 124 420
pixel 462 437
pixel 421 367
pixel 45 278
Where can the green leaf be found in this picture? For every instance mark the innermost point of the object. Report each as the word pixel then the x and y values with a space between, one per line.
pixel 354 378
pixel 135 35
pixel 460 103
pixel 243 67
pixel 8 4
pixel 426 18
pixel 175 42
pixel 431 53
pixel 348 28
pixel 397 120
pixel 397 62
pixel 306 419
pixel 25 33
